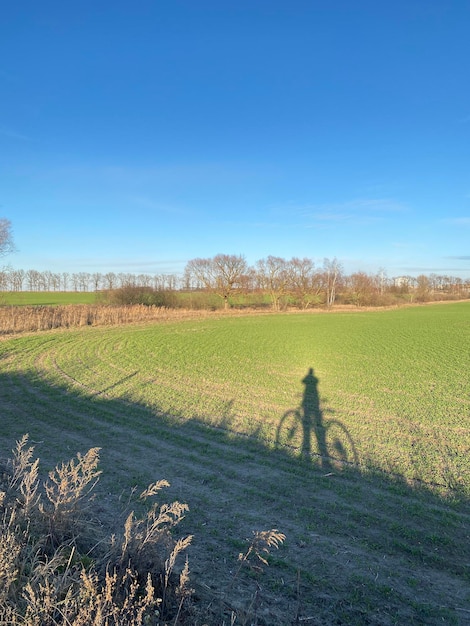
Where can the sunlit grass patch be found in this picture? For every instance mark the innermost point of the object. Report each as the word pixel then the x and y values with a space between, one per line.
pixel 347 431
pixel 393 390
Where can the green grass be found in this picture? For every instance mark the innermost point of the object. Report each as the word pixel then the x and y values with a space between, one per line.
pixel 192 300
pixel 219 406
pixel 46 298
pixel 395 382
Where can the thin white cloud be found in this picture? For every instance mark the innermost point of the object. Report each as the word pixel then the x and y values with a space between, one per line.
pixel 258 224
pixel 12 134
pixel 458 221
pixel 358 211
pixel 153 205
pixel 145 266
pixel 333 216
pixel 178 171
pixel 414 269
pixel 400 245
pixel 126 263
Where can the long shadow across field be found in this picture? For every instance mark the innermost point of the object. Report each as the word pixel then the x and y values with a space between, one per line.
pixel 361 548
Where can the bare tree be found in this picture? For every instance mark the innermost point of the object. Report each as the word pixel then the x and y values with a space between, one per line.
pixel 144 280
pixel 304 282
pixel 273 276
pixel 221 274
pixel 332 272
pixel 47 280
pixel 97 279
pixel 466 287
pixel 249 281
pixel 6 237
pixel 200 273
pixel 172 282
pixel 361 288
pixel 126 280
pixel 17 279
pixel 110 280
pixel 455 285
pixel 84 280
pixel 55 281
pixel 75 281
pixel 33 278
pixel 158 282
pixel 4 280
pixel 65 280
pixel 423 288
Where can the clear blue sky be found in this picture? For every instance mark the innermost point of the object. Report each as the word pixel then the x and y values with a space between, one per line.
pixel 135 136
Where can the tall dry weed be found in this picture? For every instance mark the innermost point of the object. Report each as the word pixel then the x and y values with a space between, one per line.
pixel 69 493
pixel 10 549
pixel 47 574
pixel 19 319
pixel 52 574
pixel 254 558
pixel 24 476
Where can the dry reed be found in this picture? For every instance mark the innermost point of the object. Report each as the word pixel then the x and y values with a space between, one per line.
pixel 20 319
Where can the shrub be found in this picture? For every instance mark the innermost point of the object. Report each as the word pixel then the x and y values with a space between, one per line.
pixel 130 294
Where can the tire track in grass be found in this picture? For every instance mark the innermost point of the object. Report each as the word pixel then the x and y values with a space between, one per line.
pixel 230 499
pixel 228 506
pixel 357 540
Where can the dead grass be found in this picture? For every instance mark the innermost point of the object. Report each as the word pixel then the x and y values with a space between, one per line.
pixel 56 569
pixel 51 573
pixel 21 319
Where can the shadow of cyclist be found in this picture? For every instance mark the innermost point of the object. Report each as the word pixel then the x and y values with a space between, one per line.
pixel 312 421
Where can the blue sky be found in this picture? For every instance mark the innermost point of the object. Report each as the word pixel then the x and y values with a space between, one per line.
pixel 135 136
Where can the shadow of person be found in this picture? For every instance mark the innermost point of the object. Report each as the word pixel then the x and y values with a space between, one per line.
pixel 312 421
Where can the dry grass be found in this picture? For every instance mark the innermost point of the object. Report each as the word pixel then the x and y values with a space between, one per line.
pixel 54 571
pixel 49 572
pixel 20 319
pixel 23 319
pixel 17 319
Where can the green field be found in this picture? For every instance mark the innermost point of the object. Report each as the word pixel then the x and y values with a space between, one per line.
pixel 190 300
pixel 46 298
pixel 364 463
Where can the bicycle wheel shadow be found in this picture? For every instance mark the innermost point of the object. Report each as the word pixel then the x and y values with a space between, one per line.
pixel 305 429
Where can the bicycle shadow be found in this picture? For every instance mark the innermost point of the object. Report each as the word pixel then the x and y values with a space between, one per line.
pixel 306 430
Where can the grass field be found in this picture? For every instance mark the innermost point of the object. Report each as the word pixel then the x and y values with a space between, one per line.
pixel 349 432
pixel 190 300
pixel 46 298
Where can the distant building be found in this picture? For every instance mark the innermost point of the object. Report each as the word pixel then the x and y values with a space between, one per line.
pixel 403 281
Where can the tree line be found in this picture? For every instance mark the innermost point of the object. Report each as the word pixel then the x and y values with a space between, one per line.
pixel 33 280
pixel 302 283
pixel 297 281
pixel 284 282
